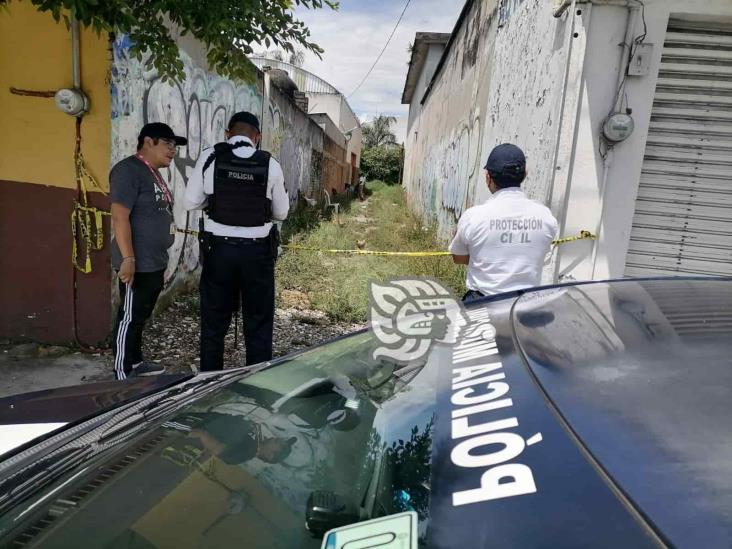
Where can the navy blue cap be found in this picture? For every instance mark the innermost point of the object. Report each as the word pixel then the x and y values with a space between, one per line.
pixel 158 130
pixel 507 165
pixel 244 117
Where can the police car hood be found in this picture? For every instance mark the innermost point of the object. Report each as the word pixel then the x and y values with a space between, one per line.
pixel 639 373
pixel 30 416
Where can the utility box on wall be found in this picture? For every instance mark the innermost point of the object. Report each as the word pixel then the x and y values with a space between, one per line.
pixel 640 65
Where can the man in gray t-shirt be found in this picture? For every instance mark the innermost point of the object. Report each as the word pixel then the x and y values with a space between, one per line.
pixel 142 217
pixel 133 186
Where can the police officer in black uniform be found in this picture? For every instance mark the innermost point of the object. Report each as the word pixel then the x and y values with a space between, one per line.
pixel 241 191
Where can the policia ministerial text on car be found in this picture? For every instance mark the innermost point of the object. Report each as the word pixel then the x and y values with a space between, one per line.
pixel 241 190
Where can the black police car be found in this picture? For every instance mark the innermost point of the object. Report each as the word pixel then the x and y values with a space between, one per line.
pixel 587 415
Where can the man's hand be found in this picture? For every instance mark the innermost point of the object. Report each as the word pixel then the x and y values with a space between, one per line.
pixel 460 259
pixel 123 236
pixel 127 271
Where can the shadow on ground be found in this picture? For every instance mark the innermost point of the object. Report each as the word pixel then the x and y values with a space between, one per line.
pixel 32 367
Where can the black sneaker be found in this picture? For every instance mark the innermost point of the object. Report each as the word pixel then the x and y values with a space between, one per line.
pixel 147 369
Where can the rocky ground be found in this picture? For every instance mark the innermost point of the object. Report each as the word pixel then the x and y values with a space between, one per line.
pixel 172 338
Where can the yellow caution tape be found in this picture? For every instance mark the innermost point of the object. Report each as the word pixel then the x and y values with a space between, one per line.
pixel 582 236
pixel 92 233
pixel 83 173
pixel 364 252
pixel 81 216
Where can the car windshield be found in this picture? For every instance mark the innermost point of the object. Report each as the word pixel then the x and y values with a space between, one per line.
pixel 331 436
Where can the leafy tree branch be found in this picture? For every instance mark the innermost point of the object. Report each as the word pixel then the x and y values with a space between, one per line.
pixel 227 28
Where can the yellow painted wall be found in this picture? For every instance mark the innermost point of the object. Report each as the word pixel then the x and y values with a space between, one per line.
pixel 37 139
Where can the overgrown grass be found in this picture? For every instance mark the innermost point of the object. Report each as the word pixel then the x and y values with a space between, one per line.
pixel 338 284
pixel 304 218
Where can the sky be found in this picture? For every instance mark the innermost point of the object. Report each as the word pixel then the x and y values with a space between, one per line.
pixel 352 38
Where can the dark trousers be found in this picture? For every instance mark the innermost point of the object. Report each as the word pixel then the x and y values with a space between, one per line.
pixel 236 272
pixel 136 306
pixel 472 295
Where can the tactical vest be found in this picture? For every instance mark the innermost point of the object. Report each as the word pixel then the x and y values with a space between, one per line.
pixel 240 187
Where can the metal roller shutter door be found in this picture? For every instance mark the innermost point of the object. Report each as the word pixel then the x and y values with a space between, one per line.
pixel 683 215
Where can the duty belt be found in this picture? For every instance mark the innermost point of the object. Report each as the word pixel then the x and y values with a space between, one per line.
pixel 239 239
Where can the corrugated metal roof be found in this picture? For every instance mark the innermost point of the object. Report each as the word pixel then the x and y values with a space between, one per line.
pixel 305 80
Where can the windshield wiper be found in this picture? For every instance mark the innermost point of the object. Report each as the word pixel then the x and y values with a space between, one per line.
pixel 129 421
pixel 24 483
pixel 24 474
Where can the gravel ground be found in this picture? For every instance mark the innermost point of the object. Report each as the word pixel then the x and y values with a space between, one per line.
pixel 172 338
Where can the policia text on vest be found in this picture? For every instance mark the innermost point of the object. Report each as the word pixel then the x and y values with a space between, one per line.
pixel 240 187
pixel 239 193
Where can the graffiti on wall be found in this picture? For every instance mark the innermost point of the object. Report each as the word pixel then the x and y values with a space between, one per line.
pixel 506 9
pixel 276 128
pixel 443 156
pixel 198 108
pixel 291 137
pixel 501 99
pixel 450 168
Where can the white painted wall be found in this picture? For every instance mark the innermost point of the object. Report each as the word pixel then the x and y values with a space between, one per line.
pixel 545 84
pixel 434 53
pixel 606 31
pixel 527 91
pixel 442 156
pixel 400 128
pixel 509 89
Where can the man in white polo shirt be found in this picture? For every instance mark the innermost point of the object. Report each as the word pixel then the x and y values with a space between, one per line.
pixel 504 241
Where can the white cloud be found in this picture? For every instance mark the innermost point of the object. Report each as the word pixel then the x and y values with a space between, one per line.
pixel 353 37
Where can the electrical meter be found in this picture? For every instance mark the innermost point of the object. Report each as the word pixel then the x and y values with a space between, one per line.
pixel 72 101
pixel 618 127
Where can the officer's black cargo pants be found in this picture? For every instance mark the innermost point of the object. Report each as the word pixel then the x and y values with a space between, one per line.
pixel 237 271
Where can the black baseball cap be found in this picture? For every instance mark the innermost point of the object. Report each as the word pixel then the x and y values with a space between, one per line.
pixel 507 165
pixel 244 117
pixel 158 130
